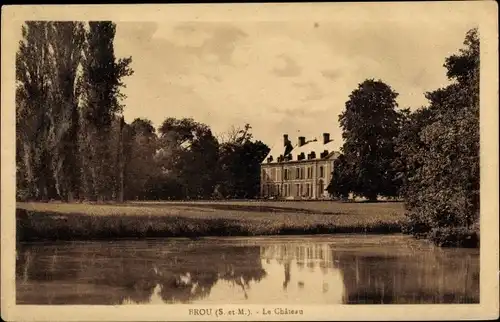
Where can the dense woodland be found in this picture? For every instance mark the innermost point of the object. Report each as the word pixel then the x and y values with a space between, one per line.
pixel 74 145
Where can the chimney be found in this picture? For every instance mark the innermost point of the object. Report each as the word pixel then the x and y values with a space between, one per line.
pixel 285 139
pixel 326 138
pixel 302 140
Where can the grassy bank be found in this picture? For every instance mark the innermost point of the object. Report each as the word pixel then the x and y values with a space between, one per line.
pixel 58 221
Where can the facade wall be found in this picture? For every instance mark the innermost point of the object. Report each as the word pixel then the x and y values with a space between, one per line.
pixel 307 179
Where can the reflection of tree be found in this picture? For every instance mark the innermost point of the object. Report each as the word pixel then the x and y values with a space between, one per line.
pixel 118 274
pixel 29 265
pixel 180 272
pixel 201 270
pixel 387 274
pixel 415 277
pixel 174 289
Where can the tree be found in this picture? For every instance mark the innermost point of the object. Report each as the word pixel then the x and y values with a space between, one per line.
pixel 370 123
pixel 141 169
pixel 442 190
pixel 239 165
pixel 33 122
pixel 66 40
pixel 188 156
pixel 102 82
pixel 341 184
pixel 68 122
pixel 409 147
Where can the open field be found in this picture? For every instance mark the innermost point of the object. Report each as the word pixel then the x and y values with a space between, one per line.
pixel 198 218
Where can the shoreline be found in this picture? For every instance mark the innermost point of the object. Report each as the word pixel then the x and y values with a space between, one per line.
pixel 39 221
pixel 50 226
pixel 132 220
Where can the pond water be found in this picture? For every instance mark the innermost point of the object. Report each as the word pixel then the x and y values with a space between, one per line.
pixel 345 269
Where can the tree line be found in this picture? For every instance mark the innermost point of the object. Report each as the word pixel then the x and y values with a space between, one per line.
pixel 428 157
pixel 72 142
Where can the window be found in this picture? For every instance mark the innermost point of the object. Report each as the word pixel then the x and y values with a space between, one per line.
pixel 297 173
pixel 320 188
pixel 297 189
pixel 321 172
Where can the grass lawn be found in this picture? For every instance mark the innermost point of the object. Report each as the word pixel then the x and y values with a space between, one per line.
pixel 203 218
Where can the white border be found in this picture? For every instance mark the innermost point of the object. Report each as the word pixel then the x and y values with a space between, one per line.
pixel 484 12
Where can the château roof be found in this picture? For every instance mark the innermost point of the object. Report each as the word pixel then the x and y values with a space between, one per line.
pixel 315 145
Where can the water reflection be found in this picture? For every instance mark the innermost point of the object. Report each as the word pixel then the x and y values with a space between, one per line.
pixel 319 270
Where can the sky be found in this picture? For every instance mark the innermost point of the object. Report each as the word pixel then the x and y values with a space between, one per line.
pixel 280 77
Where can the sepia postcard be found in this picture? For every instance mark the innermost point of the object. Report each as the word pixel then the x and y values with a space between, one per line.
pixel 250 162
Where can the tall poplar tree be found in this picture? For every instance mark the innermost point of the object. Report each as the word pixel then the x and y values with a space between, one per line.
pixel 66 40
pixel 33 122
pixel 102 83
pixel 68 112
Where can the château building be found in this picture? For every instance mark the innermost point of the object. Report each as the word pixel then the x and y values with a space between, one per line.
pixel 300 171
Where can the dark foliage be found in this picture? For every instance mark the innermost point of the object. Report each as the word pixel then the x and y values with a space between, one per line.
pixel 239 166
pixel 370 124
pixel 68 122
pixel 439 148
